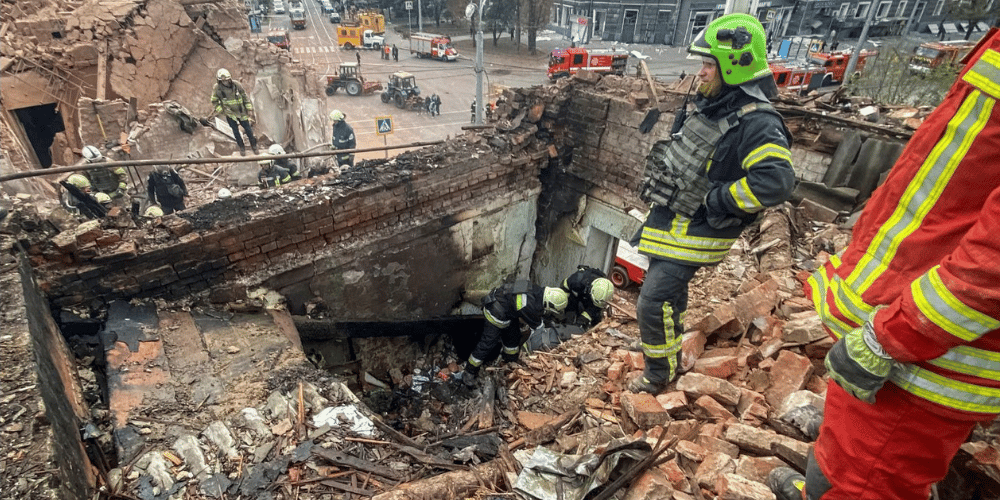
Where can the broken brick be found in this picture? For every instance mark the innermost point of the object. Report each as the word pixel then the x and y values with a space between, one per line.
pixel 734 487
pixel 789 373
pixel 672 400
pixel 531 420
pixel 653 484
pixel 757 468
pixel 644 410
pixel 700 384
pixel 714 465
pixel 717 366
pixel 715 445
pixel 616 371
pixel 691 450
pixel 708 407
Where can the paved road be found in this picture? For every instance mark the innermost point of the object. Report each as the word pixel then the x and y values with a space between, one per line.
pixel 454 82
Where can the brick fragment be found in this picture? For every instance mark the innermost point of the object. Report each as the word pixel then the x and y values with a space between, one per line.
pixel 714 465
pixel 757 468
pixel 717 366
pixel 789 373
pixel 734 487
pixel 671 401
pixel 644 410
pixel 707 407
pixel 690 450
pixel 716 445
pixel 700 384
pixel 653 484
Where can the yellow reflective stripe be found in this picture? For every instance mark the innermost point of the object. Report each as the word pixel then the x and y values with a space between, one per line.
pixel 849 303
pixel 820 283
pixel 511 350
pixel 745 199
pixel 985 74
pixel 766 151
pixel 947 392
pixel 474 361
pixel 946 311
pixel 685 254
pixel 971 361
pixel 676 236
pixel 499 323
pixel 924 189
pixel 520 300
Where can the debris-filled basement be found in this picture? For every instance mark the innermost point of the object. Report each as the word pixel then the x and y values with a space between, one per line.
pixel 307 340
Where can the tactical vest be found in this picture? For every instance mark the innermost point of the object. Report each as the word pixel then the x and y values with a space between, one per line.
pixel 103 180
pixel 679 164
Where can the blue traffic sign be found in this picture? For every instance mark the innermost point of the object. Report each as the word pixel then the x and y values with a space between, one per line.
pixel 383 125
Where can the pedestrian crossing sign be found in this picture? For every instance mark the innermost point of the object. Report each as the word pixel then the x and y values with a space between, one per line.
pixel 383 125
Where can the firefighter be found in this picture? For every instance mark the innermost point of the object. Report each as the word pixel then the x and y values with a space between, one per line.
pixel 589 291
pixel 285 163
pixel 152 212
pixel 104 180
pixel 271 175
pixel 69 201
pixel 697 213
pixel 505 307
pixel 166 188
pixel 914 305
pixel 229 99
pixel 343 137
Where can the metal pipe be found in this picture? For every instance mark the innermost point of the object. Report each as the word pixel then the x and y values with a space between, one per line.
pixel 196 161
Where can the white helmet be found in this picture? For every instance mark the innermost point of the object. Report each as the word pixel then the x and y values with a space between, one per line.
pixel 103 198
pixel 79 180
pixel 223 74
pixel 601 291
pixel 224 193
pixel 153 211
pixel 92 154
pixel 337 115
pixel 276 149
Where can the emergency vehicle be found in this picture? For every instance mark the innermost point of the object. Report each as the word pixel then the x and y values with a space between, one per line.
pixel 566 62
pixel 371 20
pixel 930 55
pixel 433 46
pixel 797 78
pixel 835 63
pixel 350 36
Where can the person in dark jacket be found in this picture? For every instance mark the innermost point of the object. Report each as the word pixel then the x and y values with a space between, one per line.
pixel 505 308
pixel 166 188
pixel 343 137
pixel 703 196
pixel 271 175
pixel 589 291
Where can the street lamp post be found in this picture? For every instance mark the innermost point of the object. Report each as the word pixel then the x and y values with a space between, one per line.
pixel 479 64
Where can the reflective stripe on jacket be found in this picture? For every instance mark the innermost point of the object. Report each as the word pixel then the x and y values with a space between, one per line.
pixel 231 101
pixel 927 247
pixel 752 169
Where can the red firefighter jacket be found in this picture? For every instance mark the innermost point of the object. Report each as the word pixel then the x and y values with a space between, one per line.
pixel 927 247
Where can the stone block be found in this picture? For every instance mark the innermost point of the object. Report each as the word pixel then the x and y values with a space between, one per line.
pixel 789 373
pixel 803 330
pixel 717 366
pixel 644 410
pixel 708 407
pixel 734 487
pixel 700 384
pixel 65 241
pixel 714 465
pixel 757 468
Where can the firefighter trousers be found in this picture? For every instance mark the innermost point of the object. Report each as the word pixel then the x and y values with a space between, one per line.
pixel 235 125
pixel 894 448
pixel 660 309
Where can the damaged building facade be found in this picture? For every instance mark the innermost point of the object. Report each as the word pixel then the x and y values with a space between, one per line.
pixel 197 319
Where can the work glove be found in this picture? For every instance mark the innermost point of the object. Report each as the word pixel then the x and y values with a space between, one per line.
pixel 859 364
pixel 583 320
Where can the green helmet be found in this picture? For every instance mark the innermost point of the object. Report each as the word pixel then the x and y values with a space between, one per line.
pixel 79 180
pixel 738 44
pixel 103 198
pixel 153 211
pixel 555 300
pixel 601 291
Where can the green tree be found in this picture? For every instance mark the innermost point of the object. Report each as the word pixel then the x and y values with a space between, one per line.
pixel 534 16
pixel 972 12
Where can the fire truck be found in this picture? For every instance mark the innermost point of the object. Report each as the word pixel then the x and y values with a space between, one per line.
pixel 835 63
pixel 433 46
pixel 797 78
pixel 930 55
pixel 566 62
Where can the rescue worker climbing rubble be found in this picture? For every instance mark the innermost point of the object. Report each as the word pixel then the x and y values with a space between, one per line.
pixel 112 182
pixel 343 137
pixel 166 188
pixel 271 175
pixel 505 307
pixel 590 292
pixel 285 163
pixel 914 305
pixel 230 100
pixel 70 201
pixel 728 161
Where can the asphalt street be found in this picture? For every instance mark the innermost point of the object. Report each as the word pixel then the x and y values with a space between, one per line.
pixel 454 82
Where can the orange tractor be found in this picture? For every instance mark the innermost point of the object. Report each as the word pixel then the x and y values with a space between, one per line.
pixel 349 78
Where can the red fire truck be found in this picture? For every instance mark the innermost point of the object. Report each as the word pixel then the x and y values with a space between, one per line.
pixel 835 63
pixel 566 62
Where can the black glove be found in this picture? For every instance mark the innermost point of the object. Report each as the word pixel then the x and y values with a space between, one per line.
pixel 716 214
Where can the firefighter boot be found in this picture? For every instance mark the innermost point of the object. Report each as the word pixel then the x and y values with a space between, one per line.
pixel 787 484
pixel 642 383
pixel 469 376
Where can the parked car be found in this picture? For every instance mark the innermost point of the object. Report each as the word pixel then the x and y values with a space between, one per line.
pixel 279 7
pixel 335 17
pixel 326 6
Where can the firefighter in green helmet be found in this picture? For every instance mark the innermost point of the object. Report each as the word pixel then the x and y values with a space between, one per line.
pixel 706 182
